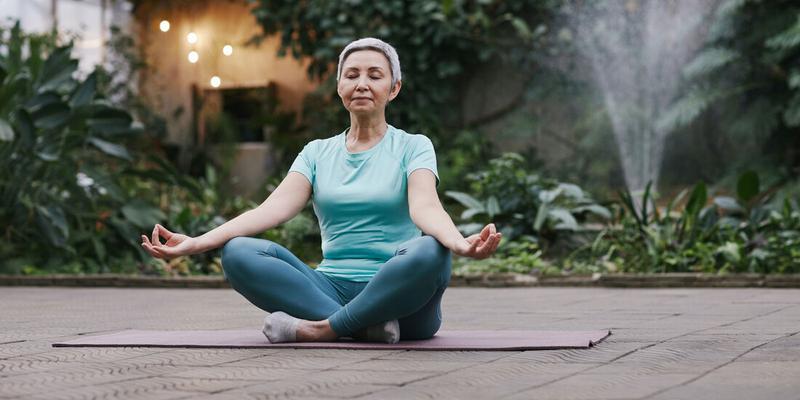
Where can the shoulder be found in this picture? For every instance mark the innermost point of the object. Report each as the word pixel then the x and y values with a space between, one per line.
pixel 321 146
pixel 411 142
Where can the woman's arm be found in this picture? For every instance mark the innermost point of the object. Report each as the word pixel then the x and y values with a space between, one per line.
pixel 428 214
pixel 286 201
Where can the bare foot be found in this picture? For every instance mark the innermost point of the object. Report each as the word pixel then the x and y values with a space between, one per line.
pixel 315 331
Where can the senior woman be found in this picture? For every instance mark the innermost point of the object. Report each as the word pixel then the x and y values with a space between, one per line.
pixel 373 189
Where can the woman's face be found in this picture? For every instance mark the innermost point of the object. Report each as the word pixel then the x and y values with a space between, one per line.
pixel 365 86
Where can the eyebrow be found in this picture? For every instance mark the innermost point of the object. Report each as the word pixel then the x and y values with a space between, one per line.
pixel 373 68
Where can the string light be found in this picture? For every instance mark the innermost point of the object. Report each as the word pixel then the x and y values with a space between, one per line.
pixel 215 81
pixel 193 56
pixel 191 38
pixel 164 26
pixel 227 50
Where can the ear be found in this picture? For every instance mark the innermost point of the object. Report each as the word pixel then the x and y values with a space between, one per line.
pixel 395 90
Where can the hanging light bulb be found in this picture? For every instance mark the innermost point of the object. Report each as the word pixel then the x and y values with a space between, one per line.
pixel 215 81
pixel 193 56
pixel 191 38
pixel 227 50
pixel 164 26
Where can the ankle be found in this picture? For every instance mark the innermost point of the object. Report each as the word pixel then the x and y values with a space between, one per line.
pixel 315 331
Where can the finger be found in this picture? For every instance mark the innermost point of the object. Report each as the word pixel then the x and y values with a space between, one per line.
pixel 496 243
pixel 485 233
pixel 492 229
pixel 164 232
pixel 490 245
pixel 485 244
pixel 155 236
pixel 149 249
pixel 145 239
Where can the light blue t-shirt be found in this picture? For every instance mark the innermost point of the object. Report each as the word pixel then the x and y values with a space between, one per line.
pixel 361 199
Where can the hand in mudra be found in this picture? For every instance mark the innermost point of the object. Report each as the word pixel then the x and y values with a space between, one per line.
pixel 177 244
pixel 480 245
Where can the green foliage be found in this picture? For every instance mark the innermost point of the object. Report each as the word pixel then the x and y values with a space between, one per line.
pixel 747 79
pixel 63 154
pixel 521 257
pixel 439 43
pixel 522 203
pixel 720 234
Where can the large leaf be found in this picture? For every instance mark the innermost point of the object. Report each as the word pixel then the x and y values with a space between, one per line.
pixel 51 116
pixel 53 222
pixel 747 187
pixel 15 87
pixel 466 200
pixel 595 209
pixel 25 128
pixel 492 206
pixel 728 204
pixel 541 216
pixel 571 190
pixel 85 92
pixel 57 69
pixel 470 229
pixel 41 100
pixel 109 121
pixel 564 218
pixel 6 131
pixel 47 150
pixel 111 149
pixel 697 200
pixel 142 215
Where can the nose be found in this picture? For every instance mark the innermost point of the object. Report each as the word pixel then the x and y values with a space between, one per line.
pixel 362 84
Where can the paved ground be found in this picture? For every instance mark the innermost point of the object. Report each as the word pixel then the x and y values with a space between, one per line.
pixel 667 344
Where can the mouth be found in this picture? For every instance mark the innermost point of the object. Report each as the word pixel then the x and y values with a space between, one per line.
pixel 361 98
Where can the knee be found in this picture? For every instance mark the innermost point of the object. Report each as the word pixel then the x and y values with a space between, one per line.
pixel 430 256
pixel 237 251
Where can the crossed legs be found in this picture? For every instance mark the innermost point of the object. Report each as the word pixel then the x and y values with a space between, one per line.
pixel 409 287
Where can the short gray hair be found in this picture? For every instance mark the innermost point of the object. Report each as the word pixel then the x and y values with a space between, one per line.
pixel 376 45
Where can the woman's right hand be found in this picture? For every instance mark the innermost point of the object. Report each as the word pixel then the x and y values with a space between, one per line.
pixel 177 244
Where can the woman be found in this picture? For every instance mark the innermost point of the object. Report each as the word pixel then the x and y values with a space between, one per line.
pixel 373 188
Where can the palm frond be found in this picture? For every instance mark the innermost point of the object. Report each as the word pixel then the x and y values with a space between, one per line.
pixel 709 61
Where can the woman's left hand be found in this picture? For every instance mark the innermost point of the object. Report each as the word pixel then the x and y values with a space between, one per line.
pixel 480 245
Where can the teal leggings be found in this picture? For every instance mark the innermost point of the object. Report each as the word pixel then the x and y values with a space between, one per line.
pixel 408 287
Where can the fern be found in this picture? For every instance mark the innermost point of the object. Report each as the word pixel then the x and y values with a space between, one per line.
pixel 794 79
pixel 686 109
pixel 723 26
pixel 757 119
pixel 791 116
pixel 787 39
pixel 709 61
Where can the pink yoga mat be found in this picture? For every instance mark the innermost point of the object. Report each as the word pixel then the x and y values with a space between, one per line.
pixel 253 338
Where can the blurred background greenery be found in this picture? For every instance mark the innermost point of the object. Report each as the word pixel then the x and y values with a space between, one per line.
pixel 86 169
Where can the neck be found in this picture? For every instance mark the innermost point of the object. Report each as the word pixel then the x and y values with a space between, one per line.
pixel 365 129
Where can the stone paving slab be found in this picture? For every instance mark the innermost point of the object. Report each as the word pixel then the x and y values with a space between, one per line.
pixel 672 343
